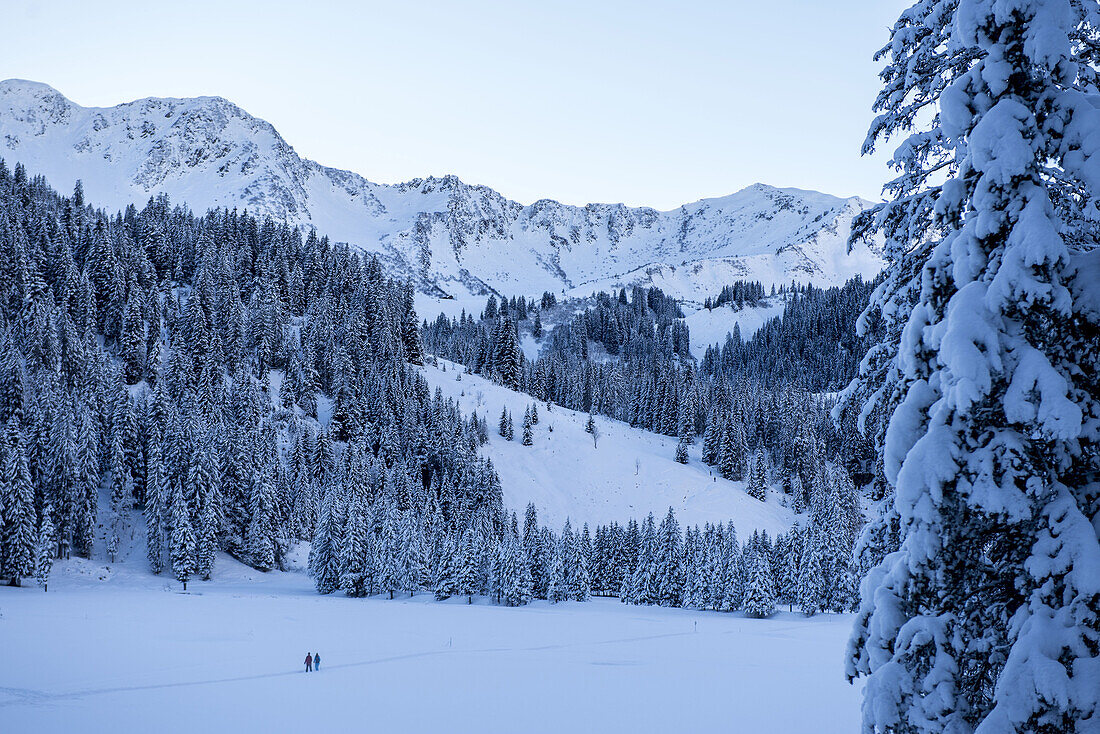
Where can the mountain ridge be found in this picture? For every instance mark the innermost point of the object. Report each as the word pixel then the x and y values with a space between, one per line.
pixel 454 238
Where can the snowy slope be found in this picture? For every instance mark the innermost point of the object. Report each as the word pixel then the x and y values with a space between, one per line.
pixel 455 237
pixel 708 328
pixel 565 476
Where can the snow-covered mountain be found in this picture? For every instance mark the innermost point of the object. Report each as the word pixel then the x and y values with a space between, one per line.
pixel 456 238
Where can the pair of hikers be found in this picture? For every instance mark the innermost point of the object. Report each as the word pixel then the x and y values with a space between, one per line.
pixel 313 662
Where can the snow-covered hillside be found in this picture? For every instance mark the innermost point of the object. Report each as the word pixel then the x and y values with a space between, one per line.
pixel 710 326
pixel 454 237
pixel 628 474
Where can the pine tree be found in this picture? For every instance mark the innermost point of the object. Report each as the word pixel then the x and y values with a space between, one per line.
pixel 810 591
pixel 515 573
pixel 183 537
pixel 730 457
pixel 682 451
pixel 18 540
pixel 156 500
pixel 389 572
pixel 642 583
pixel 532 549
pixel 528 439
pixel 669 565
pixel 446 580
pixel 260 541
pixel 203 480
pixel 121 494
pixel 579 576
pixel 85 486
pixel 760 593
pixel 467 582
pixel 758 476
pixel 356 551
pixel 324 554
pixel 11 379
pixel 557 588
pixel 44 548
pixel 1000 391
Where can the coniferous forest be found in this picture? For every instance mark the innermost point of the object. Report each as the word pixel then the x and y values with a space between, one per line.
pixel 226 384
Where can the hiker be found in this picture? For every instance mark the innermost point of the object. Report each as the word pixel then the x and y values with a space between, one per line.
pixel 316 661
pixel 309 662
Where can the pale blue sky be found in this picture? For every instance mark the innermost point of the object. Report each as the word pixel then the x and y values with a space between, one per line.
pixel 646 103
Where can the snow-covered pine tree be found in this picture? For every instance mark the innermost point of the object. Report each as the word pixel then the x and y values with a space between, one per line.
pixel 18 539
pixel 798 494
pixel 644 584
pixel 389 541
pixel 260 537
pixel 682 451
pixel 324 553
pixel 467 573
pixel 355 577
pixel 580 578
pixel 557 585
pixel 760 592
pixel 810 592
pixel 183 536
pixel 85 487
pixel 727 458
pixel 515 573
pixel 669 570
pixel 535 551
pixel 446 579
pixel 987 615
pixel 156 501
pixel 528 439
pixel 44 548
pixel 410 558
pixel 711 439
pixel 758 476
pixel 121 493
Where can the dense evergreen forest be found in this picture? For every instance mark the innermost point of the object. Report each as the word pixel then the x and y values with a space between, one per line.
pixel 182 361
pixel 812 344
pixel 221 383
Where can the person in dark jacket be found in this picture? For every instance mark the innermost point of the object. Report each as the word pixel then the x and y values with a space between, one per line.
pixel 316 661
pixel 309 662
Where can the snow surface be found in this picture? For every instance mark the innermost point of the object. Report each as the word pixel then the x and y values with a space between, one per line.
pixel 206 152
pixel 565 476
pixel 131 652
pixel 707 328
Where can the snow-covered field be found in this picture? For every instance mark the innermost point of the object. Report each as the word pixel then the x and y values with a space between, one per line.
pixel 130 653
pixel 629 473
